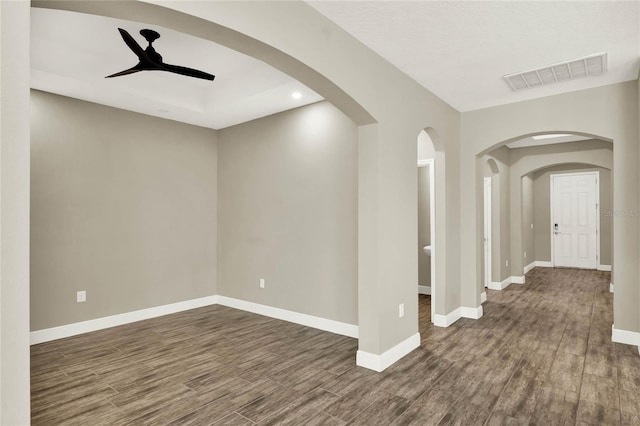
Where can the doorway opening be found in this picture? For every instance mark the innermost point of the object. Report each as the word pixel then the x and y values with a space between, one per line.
pixel 426 220
pixel 487 231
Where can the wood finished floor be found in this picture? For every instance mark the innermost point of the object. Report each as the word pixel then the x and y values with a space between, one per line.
pixel 542 354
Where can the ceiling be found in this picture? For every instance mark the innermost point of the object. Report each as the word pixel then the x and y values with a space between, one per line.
pixel 71 53
pixel 460 50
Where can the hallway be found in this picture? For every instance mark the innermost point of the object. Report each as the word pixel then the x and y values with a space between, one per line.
pixel 542 354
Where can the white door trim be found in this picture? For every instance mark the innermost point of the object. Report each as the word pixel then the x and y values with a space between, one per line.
pixel 551 222
pixel 432 227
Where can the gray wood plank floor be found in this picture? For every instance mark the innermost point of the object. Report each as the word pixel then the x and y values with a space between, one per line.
pixel 542 354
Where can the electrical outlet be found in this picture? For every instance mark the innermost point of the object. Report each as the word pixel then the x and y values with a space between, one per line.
pixel 532 226
pixel 261 282
pixel 81 296
pixel 401 310
pixel 506 263
pixel 525 254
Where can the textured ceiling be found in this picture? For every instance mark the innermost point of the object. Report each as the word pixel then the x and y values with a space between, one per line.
pixel 461 50
pixel 71 53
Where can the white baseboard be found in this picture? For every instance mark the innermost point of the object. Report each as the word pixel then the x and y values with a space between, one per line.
pixel 544 264
pixel 332 326
pixel 424 289
pixel 381 362
pixel 54 333
pixel 529 267
pixel 501 285
pixel 517 280
pixel 447 320
pixel 611 287
pixel 606 268
pixel 473 313
pixel 483 297
pixel 624 336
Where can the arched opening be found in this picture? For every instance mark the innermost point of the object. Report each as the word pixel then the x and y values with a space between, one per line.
pixel 539 235
pixel 431 225
pixel 491 221
pixel 524 226
pixel 189 24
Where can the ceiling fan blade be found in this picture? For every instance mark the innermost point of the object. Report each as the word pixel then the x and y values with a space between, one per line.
pixel 190 72
pixel 125 72
pixel 133 44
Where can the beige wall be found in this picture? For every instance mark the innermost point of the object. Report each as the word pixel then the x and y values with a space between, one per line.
pixel 610 112
pixel 542 210
pixel 288 212
pixel 424 226
pixel 14 213
pixel 123 206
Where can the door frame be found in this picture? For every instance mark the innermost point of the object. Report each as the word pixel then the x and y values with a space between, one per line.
pixel 487 246
pixel 432 227
pixel 551 206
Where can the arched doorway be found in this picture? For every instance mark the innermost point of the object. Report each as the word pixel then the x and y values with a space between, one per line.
pixel 432 261
pixel 521 163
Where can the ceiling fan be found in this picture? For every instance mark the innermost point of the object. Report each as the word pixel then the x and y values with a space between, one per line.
pixel 150 60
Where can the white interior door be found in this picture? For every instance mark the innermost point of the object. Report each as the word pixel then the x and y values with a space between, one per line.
pixel 574 224
pixel 487 231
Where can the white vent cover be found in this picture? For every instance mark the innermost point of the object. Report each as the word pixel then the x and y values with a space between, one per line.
pixel 580 67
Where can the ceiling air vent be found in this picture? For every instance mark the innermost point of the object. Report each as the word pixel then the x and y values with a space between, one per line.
pixel 575 68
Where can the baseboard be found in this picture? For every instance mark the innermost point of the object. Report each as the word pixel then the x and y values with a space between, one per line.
pixel 447 320
pixel 611 287
pixel 624 336
pixel 483 297
pixel 529 267
pixel 501 285
pixel 544 264
pixel 381 362
pixel 606 268
pixel 424 289
pixel 331 326
pixel 54 333
pixel 473 313
pixel 517 280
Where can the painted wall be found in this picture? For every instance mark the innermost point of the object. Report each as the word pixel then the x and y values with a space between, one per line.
pixel 610 112
pixel 542 210
pixel 424 227
pixel 123 206
pixel 14 214
pixel 288 212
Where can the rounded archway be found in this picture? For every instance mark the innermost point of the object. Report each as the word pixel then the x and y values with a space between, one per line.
pixel 521 163
pixel 432 222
